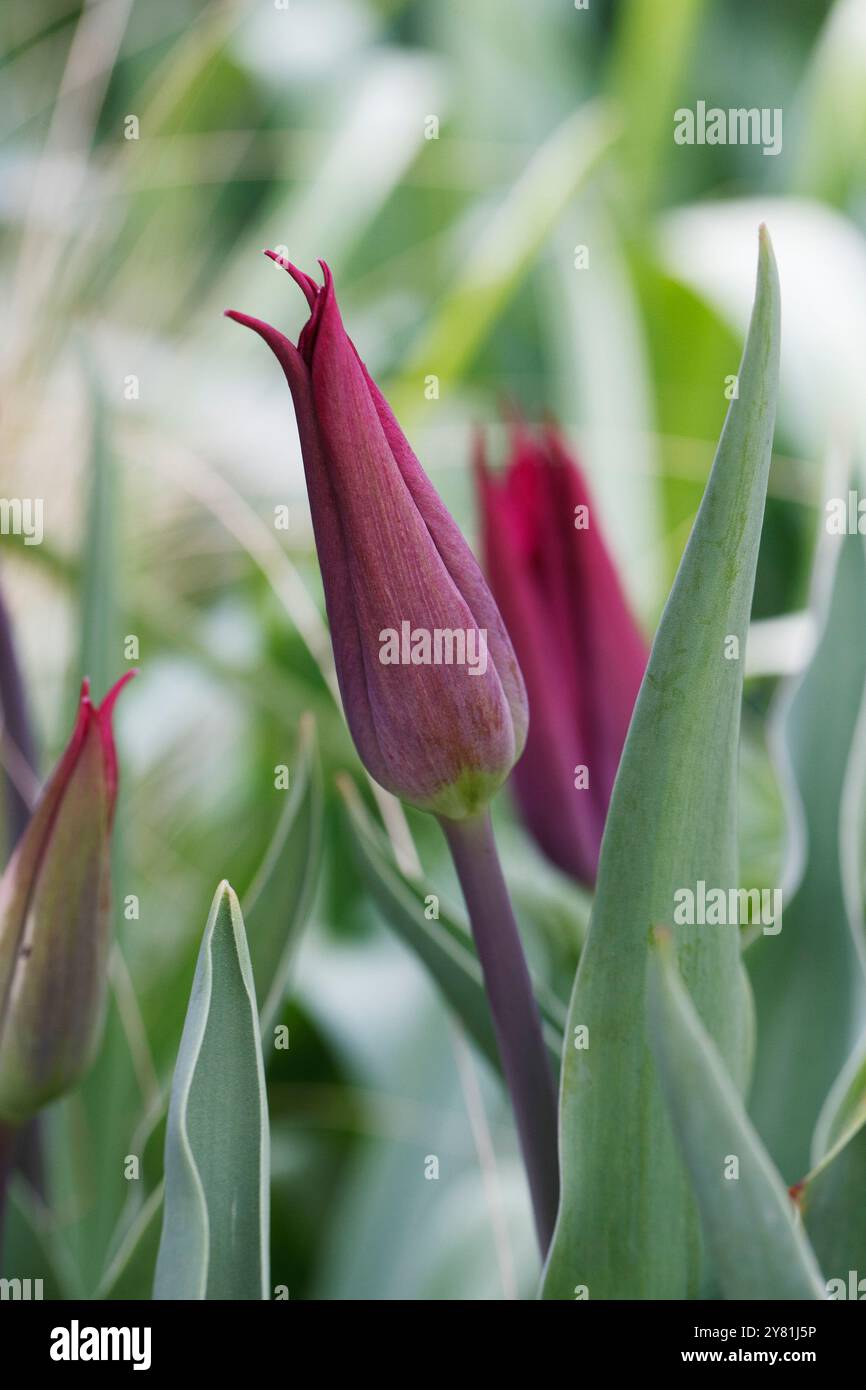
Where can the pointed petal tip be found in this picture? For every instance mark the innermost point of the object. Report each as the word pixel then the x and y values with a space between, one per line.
pixel 106 709
pixel 305 282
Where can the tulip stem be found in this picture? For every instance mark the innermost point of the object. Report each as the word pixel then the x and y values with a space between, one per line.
pixel 516 1020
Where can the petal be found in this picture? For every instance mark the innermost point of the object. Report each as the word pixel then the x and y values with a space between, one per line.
pixel 433 727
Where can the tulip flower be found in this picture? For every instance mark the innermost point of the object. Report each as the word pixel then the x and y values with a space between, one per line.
pixel 580 649
pixel 430 684
pixel 54 922
pixel 398 578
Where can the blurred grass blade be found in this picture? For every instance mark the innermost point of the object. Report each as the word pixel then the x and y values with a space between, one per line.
pixel 215 1236
pixel 280 897
pixel 754 1241
pixel 501 256
pixel 672 824
pixel 442 944
pixel 130 1273
pixel 651 47
pixel 831 1197
pixel 33 1246
pixel 829 160
pixel 88 1137
pixel 101 649
pixel 813 968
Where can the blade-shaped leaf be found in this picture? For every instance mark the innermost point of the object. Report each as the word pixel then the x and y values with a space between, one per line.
pixel 500 257
pixel 812 969
pixel 214 1240
pixel 831 1198
pixel 627 1224
pixel 88 1137
pixel 754 1241
pixel 441 943
pixel 281 895
pixel 130 1273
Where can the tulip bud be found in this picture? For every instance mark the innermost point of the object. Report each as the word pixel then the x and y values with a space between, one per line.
pixel 431 688
pixel 54 922
pixel 580 650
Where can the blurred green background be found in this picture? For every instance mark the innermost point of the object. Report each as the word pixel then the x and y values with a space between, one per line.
pixel 162 439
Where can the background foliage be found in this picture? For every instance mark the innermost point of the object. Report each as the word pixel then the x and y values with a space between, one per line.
pixel 305 127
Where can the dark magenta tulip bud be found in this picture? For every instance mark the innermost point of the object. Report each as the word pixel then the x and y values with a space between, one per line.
pixel 580 650
pixel 431 688
pixel 55 926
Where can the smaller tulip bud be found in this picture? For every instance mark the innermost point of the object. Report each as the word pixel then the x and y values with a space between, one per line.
pixel 581 652
pixel 54 922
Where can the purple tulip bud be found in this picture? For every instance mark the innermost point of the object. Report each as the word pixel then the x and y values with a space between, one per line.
pixel 581 652
pixel 432 691
pixel 55 924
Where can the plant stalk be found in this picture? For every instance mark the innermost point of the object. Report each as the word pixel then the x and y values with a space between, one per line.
pixel 516 1019
pixel 17 732
pixel 8 1148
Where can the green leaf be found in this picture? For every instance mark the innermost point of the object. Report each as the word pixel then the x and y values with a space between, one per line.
pixel 279 899
pixel 650 51
pixel 33 1245
pixel 831 1198
pixel 829 155
pixel 214 1241
pixel 812 970
pixel 443 944
pixel 754 1239
pixel 130 1273
pixel 627 1224
pixel 88 1136
pixel 500 257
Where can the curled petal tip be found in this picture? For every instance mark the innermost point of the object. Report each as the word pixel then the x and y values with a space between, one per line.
pixel 108 703
pixel 305 282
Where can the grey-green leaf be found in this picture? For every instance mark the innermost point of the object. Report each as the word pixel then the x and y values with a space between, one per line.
pixel 627 1224
pixel 442 943
pixel 754 1240
pixel 813 968
pixel 214 1241
pixel 279 900
pixel 831 1199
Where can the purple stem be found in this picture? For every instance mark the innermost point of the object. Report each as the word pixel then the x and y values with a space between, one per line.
pixel 516 1020
pixel 16 728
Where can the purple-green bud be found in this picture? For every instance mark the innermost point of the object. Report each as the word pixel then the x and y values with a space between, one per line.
pixel 431 687
pixel 55 927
